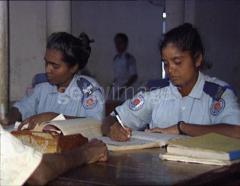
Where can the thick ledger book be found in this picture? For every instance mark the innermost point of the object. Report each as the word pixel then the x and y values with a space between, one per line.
pixel 50 143
pixel 210 148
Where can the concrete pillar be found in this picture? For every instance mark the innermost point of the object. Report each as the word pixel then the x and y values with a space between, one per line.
pixel 175 10
pixel 3 56
pixel 58 16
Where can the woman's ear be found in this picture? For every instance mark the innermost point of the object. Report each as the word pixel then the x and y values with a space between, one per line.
pixel 198 60
pixel 74 69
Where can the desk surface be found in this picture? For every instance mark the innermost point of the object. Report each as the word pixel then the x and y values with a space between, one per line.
pixel 141 167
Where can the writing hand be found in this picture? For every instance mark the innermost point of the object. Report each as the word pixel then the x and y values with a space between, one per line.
pixel 118 133
pixel 94 151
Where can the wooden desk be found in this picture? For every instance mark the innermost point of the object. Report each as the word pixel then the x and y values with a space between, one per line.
pixel 141 167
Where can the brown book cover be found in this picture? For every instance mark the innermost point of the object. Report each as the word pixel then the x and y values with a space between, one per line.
pixel 48 142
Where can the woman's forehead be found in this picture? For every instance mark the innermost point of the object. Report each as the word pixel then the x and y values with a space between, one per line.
pixel 53 54
pixel 171 49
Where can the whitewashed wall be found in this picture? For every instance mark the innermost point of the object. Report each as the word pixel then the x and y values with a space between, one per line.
pixel 217 20
pixel 219 24
pixel 27 43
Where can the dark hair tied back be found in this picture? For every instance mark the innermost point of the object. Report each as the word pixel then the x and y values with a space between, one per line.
pixel 74 50
pixel 186 38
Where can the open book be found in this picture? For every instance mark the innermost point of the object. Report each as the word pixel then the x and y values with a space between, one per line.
pixel 91 128
pixel 208 149
pixel 55 141
pixel 140 140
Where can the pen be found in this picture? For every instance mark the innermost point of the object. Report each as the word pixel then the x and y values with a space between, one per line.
pixel 119 120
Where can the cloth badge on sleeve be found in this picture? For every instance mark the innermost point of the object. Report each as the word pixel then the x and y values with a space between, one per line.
pixel 90 102
pixel 217 107
pixel 136 103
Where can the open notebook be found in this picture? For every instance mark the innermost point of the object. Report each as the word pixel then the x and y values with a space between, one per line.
pixel 140 140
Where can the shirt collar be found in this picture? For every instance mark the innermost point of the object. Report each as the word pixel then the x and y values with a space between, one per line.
pixel 197 89
pixel 68 89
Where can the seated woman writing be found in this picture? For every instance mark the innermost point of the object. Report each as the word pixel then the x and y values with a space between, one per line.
pixel 66 92
pixel 188 102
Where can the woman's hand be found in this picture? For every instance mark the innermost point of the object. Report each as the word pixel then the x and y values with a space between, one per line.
pixel 118 133
pixel 94 151
pixel 37 119
pixel 169 130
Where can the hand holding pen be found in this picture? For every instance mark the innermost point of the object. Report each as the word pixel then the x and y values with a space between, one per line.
pixel 118 131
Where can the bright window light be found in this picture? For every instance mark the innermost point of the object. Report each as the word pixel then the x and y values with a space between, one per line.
pixel 164 15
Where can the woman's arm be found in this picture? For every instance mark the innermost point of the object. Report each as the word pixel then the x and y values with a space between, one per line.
pixel 197 130
pixel 53 165
pixel 13 116
pixel 39 118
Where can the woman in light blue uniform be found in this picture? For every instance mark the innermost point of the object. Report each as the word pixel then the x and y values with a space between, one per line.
pixel 65 91
pixel 189 102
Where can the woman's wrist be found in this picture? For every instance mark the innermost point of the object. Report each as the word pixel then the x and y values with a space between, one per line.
pixel 180 128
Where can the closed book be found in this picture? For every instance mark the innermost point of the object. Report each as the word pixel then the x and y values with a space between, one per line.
pixel 189 159
pixel 210 146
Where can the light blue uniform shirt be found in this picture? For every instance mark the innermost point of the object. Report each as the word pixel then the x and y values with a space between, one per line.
pixel 165 106
pixel 124 66
pixel 82 98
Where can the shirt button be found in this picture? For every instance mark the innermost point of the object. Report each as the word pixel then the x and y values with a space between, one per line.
pixel 183 108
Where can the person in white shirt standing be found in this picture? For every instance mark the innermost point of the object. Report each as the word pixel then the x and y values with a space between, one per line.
pixel 124 68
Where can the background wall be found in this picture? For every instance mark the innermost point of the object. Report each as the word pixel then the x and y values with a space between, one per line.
pixel 217 20
pixel 219 24
pixel 27 43
pixel 140 20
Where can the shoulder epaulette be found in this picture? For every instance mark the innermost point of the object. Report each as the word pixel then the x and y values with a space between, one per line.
pixel 86 87
pixel 157 83
pixel 39 78
pixel 214 90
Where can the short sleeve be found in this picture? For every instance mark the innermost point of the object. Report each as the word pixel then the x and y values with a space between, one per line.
pixel 18 161
pixel 27 106
pixel 94 105
pixel 137 112
pixel 226 110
